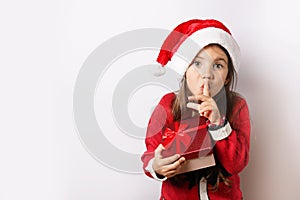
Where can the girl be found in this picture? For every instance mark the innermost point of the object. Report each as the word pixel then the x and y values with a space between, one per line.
pixel 206 91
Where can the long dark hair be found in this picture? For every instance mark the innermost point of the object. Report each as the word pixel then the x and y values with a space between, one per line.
pixel 225 101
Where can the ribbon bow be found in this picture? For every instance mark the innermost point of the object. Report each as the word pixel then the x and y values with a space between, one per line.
pixel 181 135
pixel 178 134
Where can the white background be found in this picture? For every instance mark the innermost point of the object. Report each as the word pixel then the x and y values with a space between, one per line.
pixel 43 45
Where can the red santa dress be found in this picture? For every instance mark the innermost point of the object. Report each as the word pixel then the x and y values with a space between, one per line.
pixel 231 150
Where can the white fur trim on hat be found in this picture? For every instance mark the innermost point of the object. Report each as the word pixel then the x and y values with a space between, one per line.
pixel 213 35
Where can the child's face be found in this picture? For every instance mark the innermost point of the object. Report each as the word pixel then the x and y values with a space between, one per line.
pixel 209 67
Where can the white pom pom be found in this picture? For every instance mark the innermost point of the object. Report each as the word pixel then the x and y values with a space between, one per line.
pixel 159 71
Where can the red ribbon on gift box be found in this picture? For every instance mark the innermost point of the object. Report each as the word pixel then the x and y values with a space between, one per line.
pixel 169 134
pixel 181 135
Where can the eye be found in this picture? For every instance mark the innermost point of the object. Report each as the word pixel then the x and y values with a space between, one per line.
pixel 217 66
pixel 197 63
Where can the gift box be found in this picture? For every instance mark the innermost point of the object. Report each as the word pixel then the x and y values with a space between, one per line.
pixel 190 139
pixel 197 163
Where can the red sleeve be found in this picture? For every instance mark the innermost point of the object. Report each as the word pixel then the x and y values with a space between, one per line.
pixel 233 151
pixel 161 115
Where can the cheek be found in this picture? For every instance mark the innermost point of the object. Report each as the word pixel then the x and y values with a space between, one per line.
pixel 219 83
pixel 221 77
pixel 190 85
pixel 193 81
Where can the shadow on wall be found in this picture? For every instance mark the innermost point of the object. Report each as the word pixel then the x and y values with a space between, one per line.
pixel 272 172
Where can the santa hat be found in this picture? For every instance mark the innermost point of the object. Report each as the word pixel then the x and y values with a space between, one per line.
pixel 203 32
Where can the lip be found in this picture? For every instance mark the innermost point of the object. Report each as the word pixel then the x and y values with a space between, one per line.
pixel 202 86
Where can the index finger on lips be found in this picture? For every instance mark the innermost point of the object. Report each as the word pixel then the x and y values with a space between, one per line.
pixel 206 91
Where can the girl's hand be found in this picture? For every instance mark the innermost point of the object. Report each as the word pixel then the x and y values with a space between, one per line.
pixel 208 108
pixel 169 166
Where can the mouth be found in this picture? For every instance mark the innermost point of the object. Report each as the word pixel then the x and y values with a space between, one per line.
pixel 205 88
pixel 203 85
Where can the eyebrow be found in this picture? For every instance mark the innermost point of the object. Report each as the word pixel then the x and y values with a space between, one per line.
pixel 221 59
pixel 217 59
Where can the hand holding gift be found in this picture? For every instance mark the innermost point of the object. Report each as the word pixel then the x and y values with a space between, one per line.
pixel 169 166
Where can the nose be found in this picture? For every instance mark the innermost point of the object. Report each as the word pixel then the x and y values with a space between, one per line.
pixel 206 76
pixel 207 72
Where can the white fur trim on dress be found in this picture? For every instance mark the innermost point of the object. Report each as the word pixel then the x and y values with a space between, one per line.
pixel 221 133
pixel 150 169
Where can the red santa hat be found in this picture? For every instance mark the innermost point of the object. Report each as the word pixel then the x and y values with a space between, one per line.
pixel 203 32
